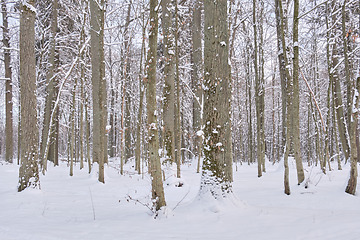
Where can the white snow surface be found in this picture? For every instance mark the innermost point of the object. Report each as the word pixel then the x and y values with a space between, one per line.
pixel 257 209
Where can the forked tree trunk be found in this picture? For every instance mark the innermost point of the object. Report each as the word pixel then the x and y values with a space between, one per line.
pixel 29 171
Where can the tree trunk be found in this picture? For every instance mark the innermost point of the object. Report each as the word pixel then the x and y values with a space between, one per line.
pixel 354 135
pixel 51 92
pixel 9 144
pixel 127 117
pixel 333 76
pixel 169 79
pixel 177 107
pixel 217 166
pixel 296 101
pixel 97 10
pixel 196 74
pixel 282 70
pixel 29 171
pixel 140 112
pixel 153 139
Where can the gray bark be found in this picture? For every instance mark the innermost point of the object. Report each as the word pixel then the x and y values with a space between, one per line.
pixel 295 100
pixel 153 138
pixel 169 79
pixel 196 73
pixel 29 171
pixel 217 166
pixel 97 10
pixel 9 142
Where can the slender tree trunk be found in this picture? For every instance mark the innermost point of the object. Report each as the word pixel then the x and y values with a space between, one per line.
pixel 348 82
pixel 282 70
pixel 97 10
pixel 153 141
pixel 72 133
pixel 141 88
pixel 127 117
pixel 9 142
pixel 50 90
pixel 296 101
pixel 177 107
pixel 196 73
pixel 29 171
pixel 354 135
pixel 169 79
pixel 333 76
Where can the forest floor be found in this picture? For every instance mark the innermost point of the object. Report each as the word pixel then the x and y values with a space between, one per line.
pixel 81 208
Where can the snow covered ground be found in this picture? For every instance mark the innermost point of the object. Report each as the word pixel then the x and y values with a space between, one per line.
pixel 79 207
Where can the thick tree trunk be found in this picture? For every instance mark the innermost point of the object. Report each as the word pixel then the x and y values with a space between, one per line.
pixel 29 171
pixel 9 142
pixel 153 138
pixel 217 166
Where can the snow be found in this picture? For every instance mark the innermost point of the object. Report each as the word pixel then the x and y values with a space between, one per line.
pixel 80 207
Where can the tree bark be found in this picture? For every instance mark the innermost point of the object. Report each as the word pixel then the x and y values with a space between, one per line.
pixel 9 142
pixel 217 166
pixel 196 74
pixel 29 171
pixel 177 107
pixel 295 100
pixel 97 10
pixel 354 135
pixel 153 138
pixel 140 112
pixel 169 79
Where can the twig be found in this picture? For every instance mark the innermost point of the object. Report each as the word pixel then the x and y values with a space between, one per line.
pixel 136 200
pixel 92 203
pixel 181 200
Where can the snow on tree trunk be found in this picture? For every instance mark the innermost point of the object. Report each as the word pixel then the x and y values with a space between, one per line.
pixel 29 170
pixel 217 166
pixel 153 137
